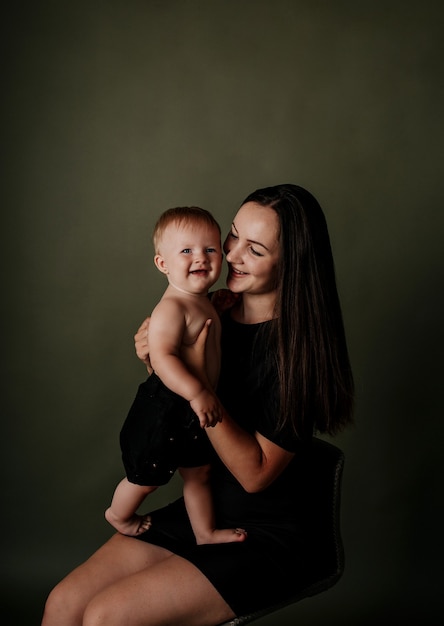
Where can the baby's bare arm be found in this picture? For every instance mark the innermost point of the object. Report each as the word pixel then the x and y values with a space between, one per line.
pixel 192 356
pixel 167 333
pixel 173 324
pixel 167 330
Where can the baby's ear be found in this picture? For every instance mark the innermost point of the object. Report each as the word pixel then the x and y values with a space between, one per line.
pixel 159 262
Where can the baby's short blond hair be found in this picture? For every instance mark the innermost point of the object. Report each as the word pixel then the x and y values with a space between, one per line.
pixel 182 215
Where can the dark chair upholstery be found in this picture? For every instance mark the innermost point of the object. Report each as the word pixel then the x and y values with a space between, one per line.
pixel 322 474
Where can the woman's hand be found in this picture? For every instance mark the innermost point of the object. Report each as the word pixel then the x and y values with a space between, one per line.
pixel 223 299
pixel 141 344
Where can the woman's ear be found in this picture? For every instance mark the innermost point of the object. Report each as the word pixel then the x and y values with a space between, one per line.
pixel 159 262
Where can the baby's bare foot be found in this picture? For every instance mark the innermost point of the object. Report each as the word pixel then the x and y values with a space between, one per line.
pixel 144 523
pixel 136 525
pixel 226 535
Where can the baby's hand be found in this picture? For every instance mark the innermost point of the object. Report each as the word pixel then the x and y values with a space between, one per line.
pixel 208 408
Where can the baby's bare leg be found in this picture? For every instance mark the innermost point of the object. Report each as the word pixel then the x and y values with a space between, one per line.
pixel 199 505
pixel 122 514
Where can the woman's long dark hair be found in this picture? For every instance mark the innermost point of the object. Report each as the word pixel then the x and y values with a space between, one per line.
pixel 312 361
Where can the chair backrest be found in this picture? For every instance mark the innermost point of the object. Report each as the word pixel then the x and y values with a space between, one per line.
pixel 321 478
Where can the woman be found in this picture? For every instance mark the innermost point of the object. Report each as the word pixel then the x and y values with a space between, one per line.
pixel 285 376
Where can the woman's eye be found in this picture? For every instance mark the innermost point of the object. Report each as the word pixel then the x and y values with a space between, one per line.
pixel 255 252
pixel 232 235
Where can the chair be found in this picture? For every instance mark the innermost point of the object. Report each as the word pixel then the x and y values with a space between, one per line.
pixel 323 470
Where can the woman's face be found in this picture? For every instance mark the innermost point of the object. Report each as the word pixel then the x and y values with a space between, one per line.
pixel 252 250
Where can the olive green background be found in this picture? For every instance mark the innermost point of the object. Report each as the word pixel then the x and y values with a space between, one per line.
pixel 112 112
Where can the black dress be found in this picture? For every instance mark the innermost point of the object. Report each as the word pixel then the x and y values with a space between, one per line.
pixel 280 551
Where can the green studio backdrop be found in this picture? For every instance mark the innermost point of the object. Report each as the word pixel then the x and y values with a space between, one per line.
pixel 114 111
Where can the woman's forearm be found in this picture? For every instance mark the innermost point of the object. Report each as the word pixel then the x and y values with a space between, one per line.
pixel 252 459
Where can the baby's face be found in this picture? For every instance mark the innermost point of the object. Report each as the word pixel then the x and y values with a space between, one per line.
pixel 191 256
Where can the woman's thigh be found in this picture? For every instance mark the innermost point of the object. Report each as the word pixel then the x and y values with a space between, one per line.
pixel 118 558
pixel 172 591
pixel 135 583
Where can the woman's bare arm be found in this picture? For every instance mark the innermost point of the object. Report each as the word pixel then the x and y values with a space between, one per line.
pixel 254 460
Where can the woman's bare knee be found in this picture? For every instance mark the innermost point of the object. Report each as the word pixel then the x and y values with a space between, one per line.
pixel 98 612
pixel 61 609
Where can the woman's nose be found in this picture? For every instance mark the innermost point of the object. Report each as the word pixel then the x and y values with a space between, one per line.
pixel 231 255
